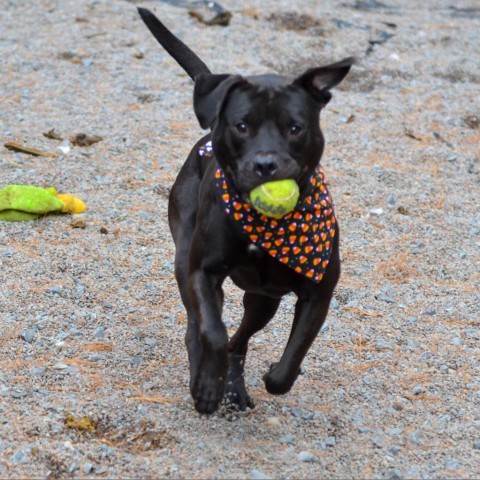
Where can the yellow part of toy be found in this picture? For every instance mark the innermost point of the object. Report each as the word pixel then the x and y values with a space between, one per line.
pixel 71 204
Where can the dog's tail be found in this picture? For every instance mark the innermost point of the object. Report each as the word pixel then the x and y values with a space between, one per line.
pixel 187 59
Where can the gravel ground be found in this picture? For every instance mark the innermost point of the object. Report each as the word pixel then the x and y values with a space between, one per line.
pixel 93 369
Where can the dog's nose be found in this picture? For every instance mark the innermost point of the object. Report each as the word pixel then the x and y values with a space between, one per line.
pixel 265 165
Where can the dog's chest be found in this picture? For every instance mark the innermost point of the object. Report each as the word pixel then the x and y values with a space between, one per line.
pixel 256 271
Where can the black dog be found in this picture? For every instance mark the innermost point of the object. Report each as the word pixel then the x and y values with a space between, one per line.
pixel 263 128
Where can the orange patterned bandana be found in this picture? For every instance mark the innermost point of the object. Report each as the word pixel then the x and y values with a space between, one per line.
pixel 301 239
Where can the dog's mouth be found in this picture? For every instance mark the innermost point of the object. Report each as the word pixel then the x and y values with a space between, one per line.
pixel 245 183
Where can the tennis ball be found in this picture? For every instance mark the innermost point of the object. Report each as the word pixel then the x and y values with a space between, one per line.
pixel 275 199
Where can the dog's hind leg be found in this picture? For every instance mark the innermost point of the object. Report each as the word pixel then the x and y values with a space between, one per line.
pixel 259 310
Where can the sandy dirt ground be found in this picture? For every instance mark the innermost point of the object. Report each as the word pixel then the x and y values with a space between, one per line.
pixel 93 368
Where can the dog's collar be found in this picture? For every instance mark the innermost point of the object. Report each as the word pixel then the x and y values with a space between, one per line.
pixel 302 239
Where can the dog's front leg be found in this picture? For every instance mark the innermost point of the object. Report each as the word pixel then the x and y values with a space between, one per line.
pixel 309 317
pixel 209 382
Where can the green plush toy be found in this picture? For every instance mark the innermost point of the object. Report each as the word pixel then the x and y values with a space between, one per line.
pixel 26 202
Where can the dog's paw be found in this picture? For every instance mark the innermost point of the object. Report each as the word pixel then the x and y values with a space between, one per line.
pixel 236 396
pixel 207 392
pixel 278 381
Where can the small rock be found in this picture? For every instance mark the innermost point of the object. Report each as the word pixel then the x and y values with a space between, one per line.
pixel 330 441
pixel 258 475
pixel 476 445
pixel 78 222
pixel 101 470
pixel 452 464
pixel 18 394
pixel 418 390
pixel 305 457
pixel 136 361
pixel 99 333
pixel 394 474
pixel 73 467
pixel 364 430
pixel 28 335
pixel 39 371
pixel 288 439
pixel 414 437
pixel 55 290
pixel 320 445
pixel 151 342
pixel 108 451
pixel 395 450
pixel 87 467
pixel 274 421
pixel 19 457
pixel 378 441
pixel 60 366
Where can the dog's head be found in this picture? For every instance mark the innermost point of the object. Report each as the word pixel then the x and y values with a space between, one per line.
pixel 264 127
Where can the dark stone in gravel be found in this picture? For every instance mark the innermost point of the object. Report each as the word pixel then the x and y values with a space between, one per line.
pixel 136 360
pixel 476 445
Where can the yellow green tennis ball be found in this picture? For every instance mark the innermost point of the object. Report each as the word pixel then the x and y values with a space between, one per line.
pixel 275 199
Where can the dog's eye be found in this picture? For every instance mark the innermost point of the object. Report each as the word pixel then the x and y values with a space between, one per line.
pixel 295 129
pixel 241 127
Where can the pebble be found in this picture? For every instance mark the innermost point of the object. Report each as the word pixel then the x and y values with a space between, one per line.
pixel 274 421
pixel 39 371
pixel 320 445
pixel 60 366
pixel 476 445
pixel 258 475
pixel 28 335
pixel 330 441
pixel 305 457
pixel 395 450
pixel 136 361
pixel 418 390
pixel 18 394
pixel 288 439
pixel 452 464
pixel 414 437
pixel 151 342
pixel 108 451
pixel 394 474
pixel 87 467
pixel 101 470
pixel 19 457
pixel 378 441
pixel 99 333
pixel 386 294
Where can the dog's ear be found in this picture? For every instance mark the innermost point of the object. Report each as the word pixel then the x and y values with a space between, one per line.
pixel 209 95
pixel 319 81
